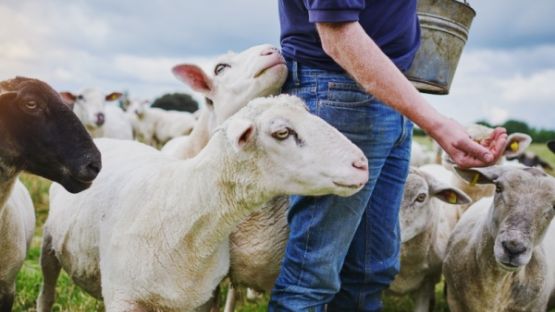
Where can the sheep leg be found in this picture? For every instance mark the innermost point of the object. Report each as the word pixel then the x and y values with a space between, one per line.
pixel 51 268
pixel 230 299
pixel 424 297
pixel 253 295
pixel 6 301
pixel 213 304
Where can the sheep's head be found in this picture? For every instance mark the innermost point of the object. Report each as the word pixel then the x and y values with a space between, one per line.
pixel 416 210
pixel 551 146
pixel 89 106
pixel 235 79
pixel 297 152
pixel 41 134
pixel 136 109
pixel 523 207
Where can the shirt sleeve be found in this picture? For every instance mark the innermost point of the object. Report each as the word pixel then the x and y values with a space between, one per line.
pixel 334 11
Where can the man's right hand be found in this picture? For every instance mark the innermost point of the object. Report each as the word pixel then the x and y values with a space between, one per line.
pixel 463 150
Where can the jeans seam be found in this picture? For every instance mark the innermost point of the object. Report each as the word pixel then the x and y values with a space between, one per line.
pixel 404 132
pixel 307 241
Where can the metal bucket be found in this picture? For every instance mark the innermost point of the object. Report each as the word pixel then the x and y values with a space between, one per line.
pixel 444 26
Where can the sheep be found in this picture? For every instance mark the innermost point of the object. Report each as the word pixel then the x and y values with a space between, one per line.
pixel 426 223
pixel 420 155
pixel 42 136
pixel 100 118
pixel 515 146
pixel 500 255
pixel 156 228
pixel 551 146
pixel 156 126
pixel 531 159
pixel 236 79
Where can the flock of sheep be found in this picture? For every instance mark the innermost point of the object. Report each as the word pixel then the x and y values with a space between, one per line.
pixel 158 230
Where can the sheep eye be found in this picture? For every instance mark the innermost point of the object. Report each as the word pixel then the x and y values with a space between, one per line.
pixel 421 198
pixel 498 188
pixel 281 134
pixel 80 97
pixel 220 67
pixel 31 105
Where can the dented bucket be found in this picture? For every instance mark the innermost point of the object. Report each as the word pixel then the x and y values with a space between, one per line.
pixel 444 26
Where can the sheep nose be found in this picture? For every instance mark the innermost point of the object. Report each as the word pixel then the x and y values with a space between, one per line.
pixel 90 170
pixel 269 51
pixel 513 247
pixel 100 119
pixel 361 164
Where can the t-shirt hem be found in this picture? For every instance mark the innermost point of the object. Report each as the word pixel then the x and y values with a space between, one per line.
pixel 333 16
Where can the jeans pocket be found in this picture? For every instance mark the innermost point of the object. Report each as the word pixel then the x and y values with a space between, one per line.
pixel 351 118
pixel 346 93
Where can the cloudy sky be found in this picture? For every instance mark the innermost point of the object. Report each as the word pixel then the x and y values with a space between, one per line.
pixel 507 69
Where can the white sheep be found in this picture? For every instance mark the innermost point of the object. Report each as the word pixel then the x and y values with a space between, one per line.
pixel 500 255
pixel 156 126
pixel 420 155
pixel 156 228
pixel 101 118
pixel 427 219
pixel 235 80
pixel 40 135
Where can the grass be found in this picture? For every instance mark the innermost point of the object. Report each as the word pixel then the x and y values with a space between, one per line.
pixel 71 299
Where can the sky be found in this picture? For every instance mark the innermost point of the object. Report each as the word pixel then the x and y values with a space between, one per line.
pixel 507 70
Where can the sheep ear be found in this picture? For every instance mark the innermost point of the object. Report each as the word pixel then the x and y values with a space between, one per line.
pixel 517 143
pixel 240 132
pixel 551 146
pixel 113 96
pixel 445 192
pixel 193 76
pixel 484 175
pixel 7 97
pixel 68 97
pixel 452 195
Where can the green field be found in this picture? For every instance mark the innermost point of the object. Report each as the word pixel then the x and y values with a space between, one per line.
pixel 71 298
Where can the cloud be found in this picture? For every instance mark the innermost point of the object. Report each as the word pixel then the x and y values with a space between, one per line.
pixel 506 70
pixel 512 24
pixel 497 85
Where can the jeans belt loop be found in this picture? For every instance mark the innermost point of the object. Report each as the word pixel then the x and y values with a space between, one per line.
pixel 295 73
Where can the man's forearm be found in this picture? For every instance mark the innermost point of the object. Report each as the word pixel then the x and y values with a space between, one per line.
pixel 358 54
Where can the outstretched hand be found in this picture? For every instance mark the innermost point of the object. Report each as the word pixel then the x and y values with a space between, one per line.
pixel 464 151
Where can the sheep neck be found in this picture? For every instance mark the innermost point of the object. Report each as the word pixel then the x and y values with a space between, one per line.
pixel 7 180
pixel 239 193
pixel 201 134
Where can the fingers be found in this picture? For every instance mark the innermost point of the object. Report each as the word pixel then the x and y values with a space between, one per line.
pixel 475 150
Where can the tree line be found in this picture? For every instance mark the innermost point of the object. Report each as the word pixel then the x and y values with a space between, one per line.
pixel 538 135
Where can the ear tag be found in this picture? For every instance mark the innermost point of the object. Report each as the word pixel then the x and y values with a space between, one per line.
pixel 475 179
pixel 452 197
pixel 514 146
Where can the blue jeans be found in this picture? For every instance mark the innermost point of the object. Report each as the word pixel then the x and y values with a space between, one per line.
pixel 343 251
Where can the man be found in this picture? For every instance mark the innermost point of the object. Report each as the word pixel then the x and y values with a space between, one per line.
pixel 346 59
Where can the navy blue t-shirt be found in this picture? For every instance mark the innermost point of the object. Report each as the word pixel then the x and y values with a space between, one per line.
pixel 392 24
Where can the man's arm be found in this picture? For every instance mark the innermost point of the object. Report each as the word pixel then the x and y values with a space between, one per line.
pixel 350 46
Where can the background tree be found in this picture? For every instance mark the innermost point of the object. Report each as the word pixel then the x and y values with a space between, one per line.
pixel 176 101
